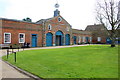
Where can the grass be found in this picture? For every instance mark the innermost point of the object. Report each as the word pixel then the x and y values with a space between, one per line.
pixel 94 61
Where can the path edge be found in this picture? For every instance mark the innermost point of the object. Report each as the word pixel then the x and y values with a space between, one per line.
pixel 23 71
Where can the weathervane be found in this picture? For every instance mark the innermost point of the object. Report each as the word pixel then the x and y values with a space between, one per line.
pixel 57 5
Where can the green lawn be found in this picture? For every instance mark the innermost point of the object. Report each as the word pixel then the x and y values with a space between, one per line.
pixel 94 61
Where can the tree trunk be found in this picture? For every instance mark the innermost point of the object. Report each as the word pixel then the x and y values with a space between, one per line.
pixel 112 45
pixel 113 42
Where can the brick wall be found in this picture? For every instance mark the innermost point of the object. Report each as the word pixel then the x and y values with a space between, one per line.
pixel 81 34
pixel 16 27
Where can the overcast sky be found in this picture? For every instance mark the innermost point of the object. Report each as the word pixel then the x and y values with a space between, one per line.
pixel 79 13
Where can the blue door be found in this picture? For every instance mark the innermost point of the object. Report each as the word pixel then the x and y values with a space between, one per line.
pixel 108 41
pixel 67 39
pixel 49 39
pixel 34 40
pixel 87 39
pixel 74 38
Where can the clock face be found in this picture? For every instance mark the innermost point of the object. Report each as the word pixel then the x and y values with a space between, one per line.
pixel 56 5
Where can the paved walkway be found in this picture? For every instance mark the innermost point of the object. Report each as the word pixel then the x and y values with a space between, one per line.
pixel 6 71
pixel 56 47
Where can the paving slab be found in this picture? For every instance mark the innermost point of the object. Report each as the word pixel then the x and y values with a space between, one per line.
pixel 10 72
pixel 6 71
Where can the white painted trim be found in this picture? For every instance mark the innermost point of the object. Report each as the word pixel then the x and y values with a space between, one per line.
pixel 4 37
pixel 90 39
pixel 98 39
pixel 67 29
pixel 23 37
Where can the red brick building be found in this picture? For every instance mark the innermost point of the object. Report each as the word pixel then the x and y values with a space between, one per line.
pixel 55 31
pixel 19 32
pixel 99 33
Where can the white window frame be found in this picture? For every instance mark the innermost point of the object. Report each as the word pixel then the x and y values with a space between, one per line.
pixel 60 19
pixel 10 37
pixel 79 39
pixel 23 37
pixel 98 39
pixel 68 29
pixel 83 39
pixel 90 39
pixel 50 27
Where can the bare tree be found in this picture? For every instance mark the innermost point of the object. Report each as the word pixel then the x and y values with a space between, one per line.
pixel 107 15
pixel 27 19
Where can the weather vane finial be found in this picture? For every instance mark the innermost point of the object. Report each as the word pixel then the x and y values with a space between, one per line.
pixel 57 5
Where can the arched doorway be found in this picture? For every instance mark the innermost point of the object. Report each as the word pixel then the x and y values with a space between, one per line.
pixel 67 39
pixel 49 39
pixel 59 38
pixel 74 39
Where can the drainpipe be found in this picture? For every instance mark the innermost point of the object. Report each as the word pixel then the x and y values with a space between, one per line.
pixel 43 32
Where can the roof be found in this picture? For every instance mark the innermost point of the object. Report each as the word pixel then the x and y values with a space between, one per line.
pixel 94 27
pixel 45 20
pixel 16 20
pixel 80 31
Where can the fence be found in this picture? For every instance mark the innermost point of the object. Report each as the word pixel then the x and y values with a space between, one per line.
pixel 15 53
